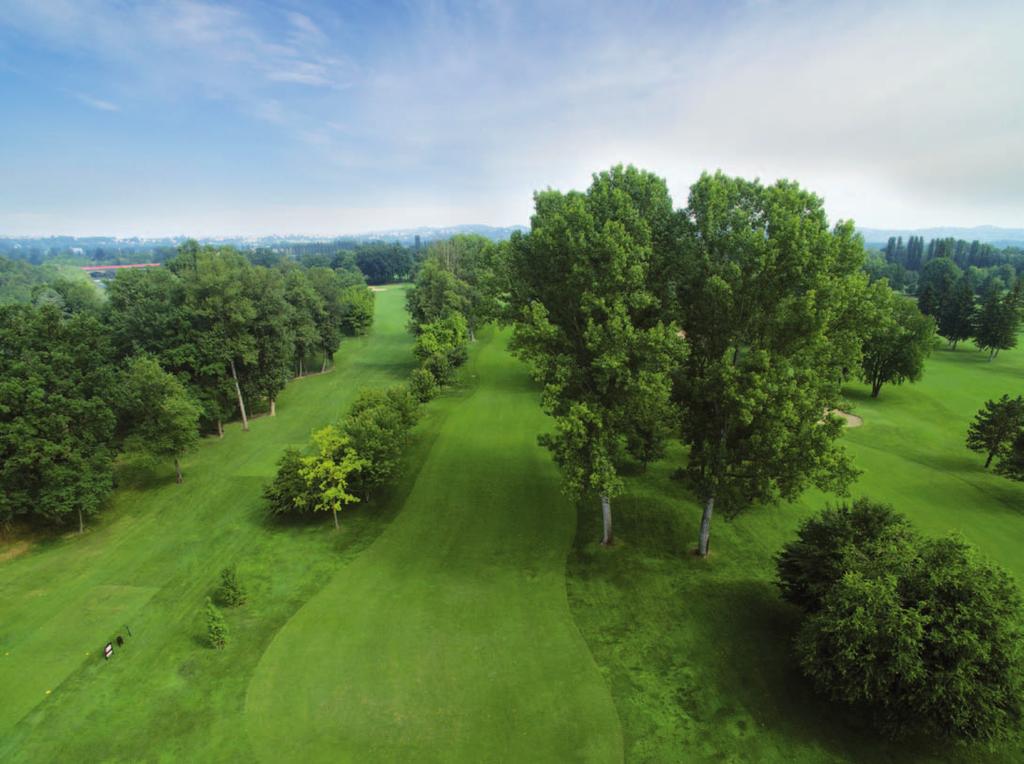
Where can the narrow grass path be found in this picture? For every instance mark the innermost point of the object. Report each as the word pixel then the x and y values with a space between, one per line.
pixel 450 638
pixel 149 563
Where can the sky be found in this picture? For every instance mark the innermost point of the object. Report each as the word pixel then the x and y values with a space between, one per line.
pixel 306 117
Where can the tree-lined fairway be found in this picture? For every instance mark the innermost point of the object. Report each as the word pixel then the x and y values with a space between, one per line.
pixel 450 638
pixel 151 561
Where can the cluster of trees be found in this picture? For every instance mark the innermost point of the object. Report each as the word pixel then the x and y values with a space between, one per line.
pixel 453 296
pixel 987 266
pixel 998 432
pixel 380 262
pixel 349 461
pixel 990 315
pixel 171 352
pixel 920 635
pixel 732 322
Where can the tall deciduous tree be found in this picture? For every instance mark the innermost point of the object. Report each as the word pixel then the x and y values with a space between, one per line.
pixel 770 300
pixel 588 322
pixel 899 338
pixel 996 426
pixel 221 310
pixel 158 417
pixel 56 415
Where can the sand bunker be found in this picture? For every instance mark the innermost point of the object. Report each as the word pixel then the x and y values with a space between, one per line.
pixel 852 420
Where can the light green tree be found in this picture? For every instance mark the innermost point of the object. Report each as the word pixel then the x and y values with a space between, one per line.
pixel 327 472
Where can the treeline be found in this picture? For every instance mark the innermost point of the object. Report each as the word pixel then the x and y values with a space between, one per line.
pixel 173 352
pixel 380 262
pixel 345 462
pixel 988 267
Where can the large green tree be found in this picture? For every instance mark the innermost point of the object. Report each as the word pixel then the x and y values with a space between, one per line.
pixel 588 322
pixel 158 417
pixel 771 302
pixel 56 415
pixel 898 339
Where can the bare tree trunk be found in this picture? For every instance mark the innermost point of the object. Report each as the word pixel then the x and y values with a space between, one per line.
pixel 323 366
pixel 273 407
pixel 989 460
pixel 220 428
pixel 876 388
pixel 704 542
pixel 336 526
pixel 177 470
pixel 81 525
pixel 606 517
pixel 241 403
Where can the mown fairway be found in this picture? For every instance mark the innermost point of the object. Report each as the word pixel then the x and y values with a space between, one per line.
pixel 450 638
pixel 699 664
pixel 150 563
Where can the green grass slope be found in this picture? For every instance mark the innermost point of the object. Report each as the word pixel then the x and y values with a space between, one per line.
pixel 697 652
pixel 450 638
pixel 150 563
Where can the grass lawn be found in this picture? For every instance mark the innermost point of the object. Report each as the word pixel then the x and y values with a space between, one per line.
pixel 449 639
pixel 436 624
pixel 696 652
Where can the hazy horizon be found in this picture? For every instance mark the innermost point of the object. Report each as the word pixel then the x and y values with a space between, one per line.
pixel 297 118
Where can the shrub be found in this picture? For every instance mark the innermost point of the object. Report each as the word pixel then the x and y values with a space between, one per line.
pixel 288 494
pixel 230 593
pixel 423 385
pixel 216 626
pixel 816 561
pixel 920 635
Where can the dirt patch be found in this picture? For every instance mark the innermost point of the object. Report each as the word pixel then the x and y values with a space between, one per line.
pixel 852 420
pixel 14 549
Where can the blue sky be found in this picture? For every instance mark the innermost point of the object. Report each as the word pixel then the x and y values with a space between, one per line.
pixel 217 118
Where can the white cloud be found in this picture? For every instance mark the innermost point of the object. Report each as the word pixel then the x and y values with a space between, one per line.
pixel 97 103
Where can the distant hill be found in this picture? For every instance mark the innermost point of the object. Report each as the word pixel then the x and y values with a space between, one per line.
pixel 986 234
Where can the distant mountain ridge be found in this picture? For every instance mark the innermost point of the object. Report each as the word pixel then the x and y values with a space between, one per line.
pixel 986 234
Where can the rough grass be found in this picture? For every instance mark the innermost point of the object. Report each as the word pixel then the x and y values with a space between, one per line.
pixel 697 651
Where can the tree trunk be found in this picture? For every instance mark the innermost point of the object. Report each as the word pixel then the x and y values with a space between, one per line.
pixel 989 460
pixel 704 542
pixel 323 366
pixel 472 335
pixel 177 470
pixel 81 525
pixel 336 526
pixel 273 407
pixel 241 403
pixel 220 428
pixel 876 388
pixel 606 518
